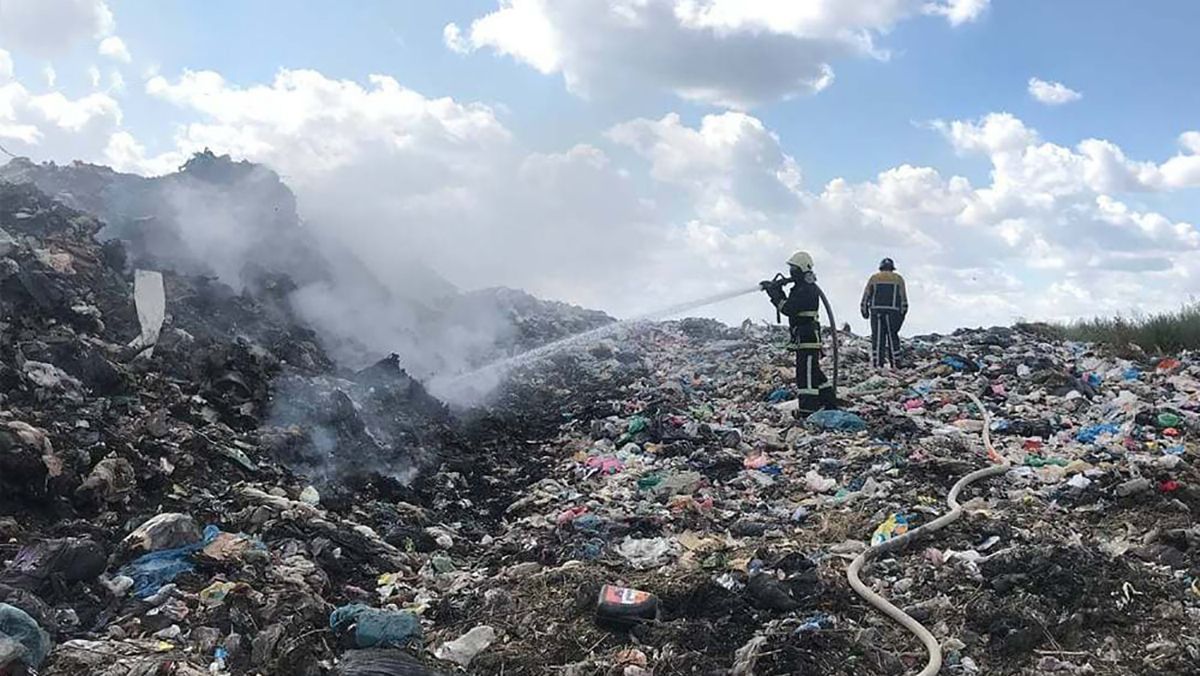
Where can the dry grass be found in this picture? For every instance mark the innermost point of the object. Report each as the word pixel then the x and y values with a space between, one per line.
pixel 1162 333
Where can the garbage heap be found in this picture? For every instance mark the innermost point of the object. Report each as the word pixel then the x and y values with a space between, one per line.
pixel 237 221
pixel 698 526
pixel 164 438
pixel 230 501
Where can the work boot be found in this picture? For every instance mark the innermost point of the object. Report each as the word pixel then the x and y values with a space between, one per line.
pixel 827 401
pixel 808 404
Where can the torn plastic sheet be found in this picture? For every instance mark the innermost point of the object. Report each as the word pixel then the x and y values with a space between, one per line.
pixel 151 303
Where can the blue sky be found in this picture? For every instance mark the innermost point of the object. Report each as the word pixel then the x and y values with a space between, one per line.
pixel 1136 67
pixel 684 133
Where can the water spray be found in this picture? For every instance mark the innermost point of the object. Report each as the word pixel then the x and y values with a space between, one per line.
pixel 467 386
pixel 472 385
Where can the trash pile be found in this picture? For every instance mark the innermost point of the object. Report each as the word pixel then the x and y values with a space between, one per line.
pixel 190 485
pixel 699 527
pixel 237 221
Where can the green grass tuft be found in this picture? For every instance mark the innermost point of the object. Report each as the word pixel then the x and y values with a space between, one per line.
pixel 1163 333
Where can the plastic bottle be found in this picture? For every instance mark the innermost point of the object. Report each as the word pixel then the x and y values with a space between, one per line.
pixel 624 606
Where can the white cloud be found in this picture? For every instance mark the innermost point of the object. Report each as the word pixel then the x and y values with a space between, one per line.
pixel 991 252
pixel 659 210
pixel 114 48
pixel 733 53
pixel 1052 93
pixel 732 165
pixel 523 29
pixel 75 114
pixel 52 124
pixel 1023 162
pixel 1183 170
pixel 958 12
pixel 307 124
pixel 50 28
pixel 1191 141
pixel 55 125
pixel 94 76
pixel 452 37
pixel 51 75
pixel 123 152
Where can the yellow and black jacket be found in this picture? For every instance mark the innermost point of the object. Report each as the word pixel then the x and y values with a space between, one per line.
pixel 885 291
pixel 801 307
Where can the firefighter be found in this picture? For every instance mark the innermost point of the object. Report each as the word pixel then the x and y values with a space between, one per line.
pixel 885 304
pixel 801 308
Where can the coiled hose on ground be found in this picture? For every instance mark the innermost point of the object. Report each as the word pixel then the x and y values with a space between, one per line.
pixel 934 665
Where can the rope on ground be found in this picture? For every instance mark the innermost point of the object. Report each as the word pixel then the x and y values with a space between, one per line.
pixel 934 665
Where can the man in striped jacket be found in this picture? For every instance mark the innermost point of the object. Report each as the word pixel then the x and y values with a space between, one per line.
pixel 885 303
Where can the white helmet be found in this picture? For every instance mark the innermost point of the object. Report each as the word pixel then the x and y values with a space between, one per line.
pixel 801 260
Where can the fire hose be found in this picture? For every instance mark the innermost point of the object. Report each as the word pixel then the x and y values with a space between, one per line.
pixel 886 607
pixel 832 327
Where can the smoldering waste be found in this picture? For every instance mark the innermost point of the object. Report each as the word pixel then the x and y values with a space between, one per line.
pixel 234 501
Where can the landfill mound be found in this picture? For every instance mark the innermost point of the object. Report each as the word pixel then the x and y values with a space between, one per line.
pixel 153 216
pixel 237 222
pixel 235 501
pixel 169 442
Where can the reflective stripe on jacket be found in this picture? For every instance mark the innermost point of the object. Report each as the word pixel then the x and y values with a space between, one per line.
pixel 802 308
pixel 885 291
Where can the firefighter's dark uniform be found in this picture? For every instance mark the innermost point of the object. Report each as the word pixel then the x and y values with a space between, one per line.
pixel 801 308
pixel 885 303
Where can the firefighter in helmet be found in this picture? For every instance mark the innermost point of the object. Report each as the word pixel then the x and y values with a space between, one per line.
pixel 885 303
pixel 801 307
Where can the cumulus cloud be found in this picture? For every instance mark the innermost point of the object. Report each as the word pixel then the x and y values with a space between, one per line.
pixel 732 53
pixel 1052 93
pixel 1048 224
pixel 1183 170
pixel 431 177
pixel 307 125
pixel 54 125
pixel 656 211
pixel 453 38
pixel 1023 161
pixel 114 48
pixel 958 12
pixel 50 123
pixel 732 165
pixel 50 28
pixel 125 153
pixel 706 208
